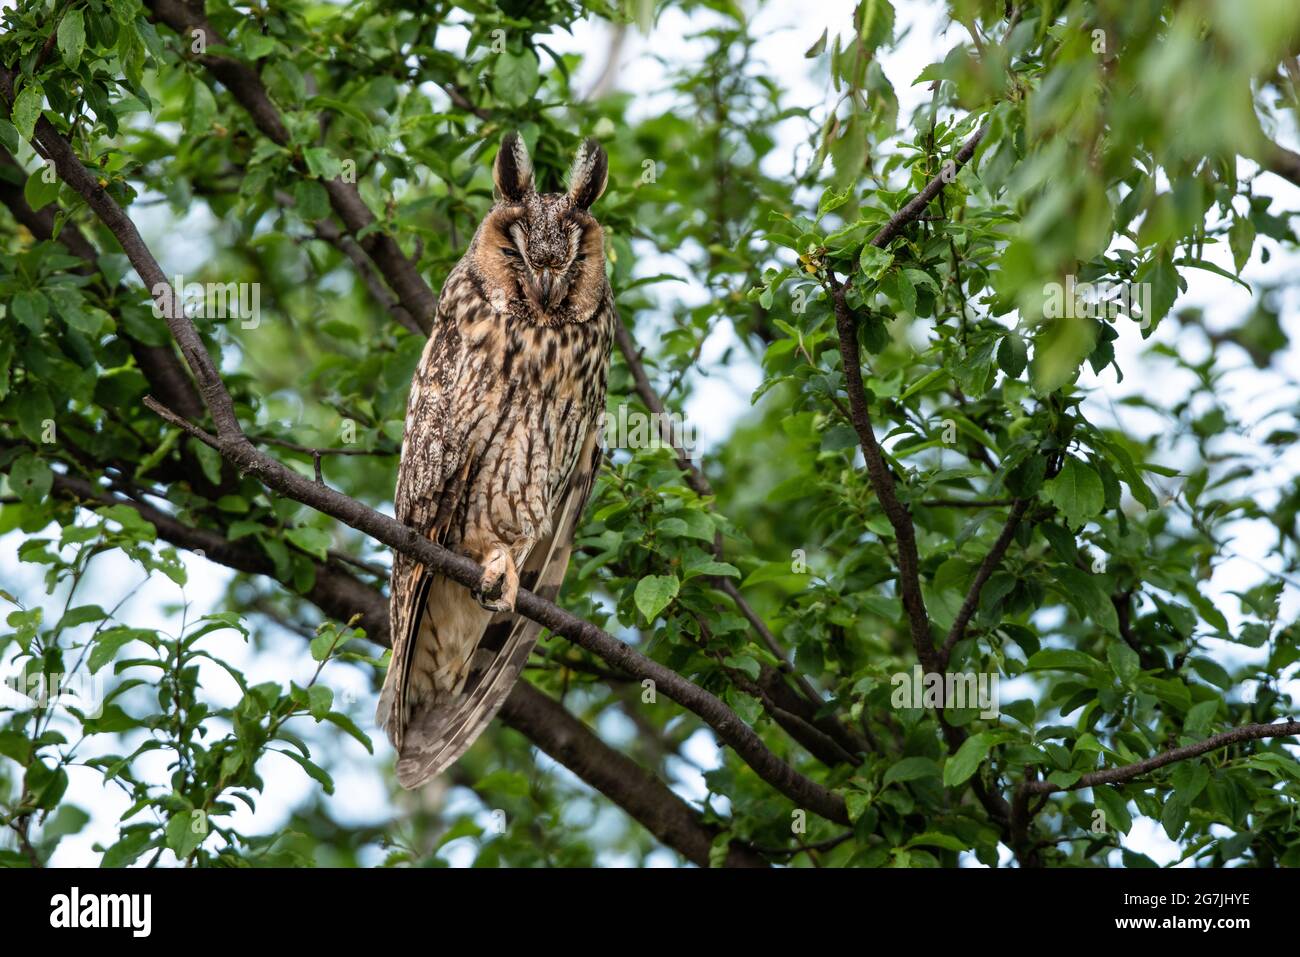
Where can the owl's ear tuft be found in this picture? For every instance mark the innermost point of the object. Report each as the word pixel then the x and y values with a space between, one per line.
pixel 513 169
pixel 588 175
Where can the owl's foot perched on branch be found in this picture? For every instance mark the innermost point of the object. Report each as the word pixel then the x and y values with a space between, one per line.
pixel 500 585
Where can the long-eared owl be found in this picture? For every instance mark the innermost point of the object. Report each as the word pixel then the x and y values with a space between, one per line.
pixel 502 444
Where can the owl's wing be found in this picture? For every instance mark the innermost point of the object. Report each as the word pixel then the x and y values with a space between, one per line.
pixel 438 736
pixel 430 482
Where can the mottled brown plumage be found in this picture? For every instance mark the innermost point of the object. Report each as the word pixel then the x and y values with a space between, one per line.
pixel 501 448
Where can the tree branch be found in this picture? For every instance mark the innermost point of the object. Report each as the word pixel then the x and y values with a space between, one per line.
pixel 1281 161
pixel 159 364
pixel 328 232
pixel 730 728
pixel 632 358
pixel 882 481
pixel 529 711
pixel 246 87
pixel 699 483
pixel 986 569
pixel 1248 732
pixel 553 729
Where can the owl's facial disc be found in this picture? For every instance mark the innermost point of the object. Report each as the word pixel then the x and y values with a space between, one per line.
pixel 545 250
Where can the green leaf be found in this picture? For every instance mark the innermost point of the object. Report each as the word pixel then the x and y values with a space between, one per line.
pixel 898 286
pixel 321 163
pixel 209 460
pixel 129 847
pixel 313 541
pixel 817 48
pixel 1164 290
pixel 259 45
pixel 68 819
pixel 972 753
pixel 875 262
pixel 1241 239
pixel 1062 659
pixel 26 624
pixel 911 769
pixel 185 832
pixel 654 593
pixel 1173 816
pixel 320 700
pixel 349 726
pixel 314 771
pixel 45 784
pixel 200 104
pixel 832 198
pixel 949 842
pixel 80 616
pixel 856 803
pixel 1199 717
pixel 42 188
pixel 133 525
pixel 1124 661
pixel 745 664
pixel 1189 780
pixel 322 644
pixel 72 37
pixel 9 136
pixel 31 479
pixel 27 109
pixel 515 77
pixel 311 200
pixel 1013 355
pixel 920 385
pixel 1212 672
pixel 1115 807
pixel 111 640
pixel 712 569
pixel 1077 491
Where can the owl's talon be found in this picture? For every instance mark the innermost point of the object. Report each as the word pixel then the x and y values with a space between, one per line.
pixel 500 586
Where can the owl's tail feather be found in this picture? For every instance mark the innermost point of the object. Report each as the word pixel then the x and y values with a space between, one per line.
pixel 439 733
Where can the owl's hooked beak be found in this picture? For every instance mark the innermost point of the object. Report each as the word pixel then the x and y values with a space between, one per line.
pixel 546 287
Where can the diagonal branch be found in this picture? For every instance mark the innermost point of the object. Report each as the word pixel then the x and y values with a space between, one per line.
pixel 699 483
pixel 986 570
pixel 236 448
pixel 533 713
pixel 1281 161
pixel 914 207
pixel 557 732
pixel 414 294
pixel 348 246
pixel 1249 732
pixel 882 481
pixel 159 364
